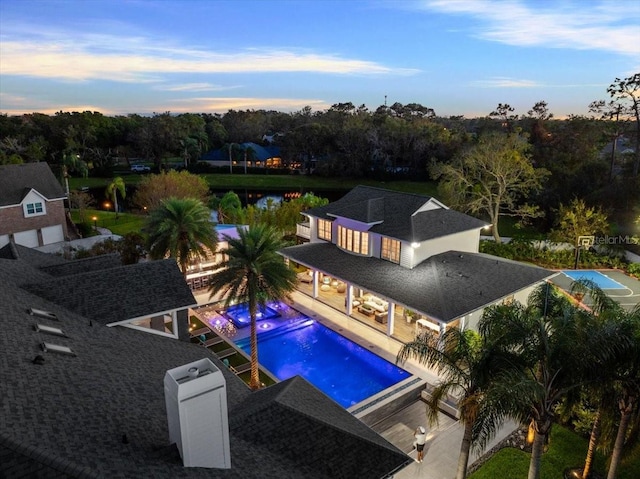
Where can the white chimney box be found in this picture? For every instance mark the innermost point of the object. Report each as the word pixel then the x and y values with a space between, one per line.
pixel 196 399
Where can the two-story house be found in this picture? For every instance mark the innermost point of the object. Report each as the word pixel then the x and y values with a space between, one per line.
pixel 400 262
pixel 31 205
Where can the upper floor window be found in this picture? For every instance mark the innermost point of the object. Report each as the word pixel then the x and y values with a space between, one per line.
pixel 390 250
pixel 33 209
pixel 324 229
pixel 353 240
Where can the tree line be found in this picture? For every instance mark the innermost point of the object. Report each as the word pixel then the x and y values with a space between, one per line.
pixel 595 157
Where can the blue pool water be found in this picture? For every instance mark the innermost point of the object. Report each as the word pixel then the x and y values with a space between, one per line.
pixel 343 370
pixel 239 314
pixel 597 277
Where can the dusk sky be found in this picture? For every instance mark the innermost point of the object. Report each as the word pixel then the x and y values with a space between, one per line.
pixel 459 57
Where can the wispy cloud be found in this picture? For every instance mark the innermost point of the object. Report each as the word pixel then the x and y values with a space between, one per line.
pixel 54 54
pixel 194 87
pixel 221 105
pixel 504 82
pixel 568 24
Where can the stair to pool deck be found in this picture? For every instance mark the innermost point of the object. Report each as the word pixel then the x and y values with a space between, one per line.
pixel 382 405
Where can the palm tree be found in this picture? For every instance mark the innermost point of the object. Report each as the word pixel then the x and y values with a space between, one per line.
pixel 254 273
pixel 181 228
pixel 612 328
pixel 627 379
pixel 116 185
pixel 550 354
pixel 463 361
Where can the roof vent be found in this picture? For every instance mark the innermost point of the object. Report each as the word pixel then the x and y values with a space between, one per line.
pixel 41 328
pixel 42 313
pixel 39 360
pixel 56 348
pixel 196 399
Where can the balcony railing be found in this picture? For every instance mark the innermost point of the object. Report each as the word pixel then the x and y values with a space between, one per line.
pixel 303 230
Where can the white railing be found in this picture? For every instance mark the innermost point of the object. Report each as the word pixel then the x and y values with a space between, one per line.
pixel 303 230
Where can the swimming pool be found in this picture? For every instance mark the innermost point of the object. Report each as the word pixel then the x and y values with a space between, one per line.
pixel 601 280
pixel 239 314
pixel 342 369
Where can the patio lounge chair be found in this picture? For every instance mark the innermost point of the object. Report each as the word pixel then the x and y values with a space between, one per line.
pixel 241 369
pixel 200 331
pixel 212 341
pixel 225 353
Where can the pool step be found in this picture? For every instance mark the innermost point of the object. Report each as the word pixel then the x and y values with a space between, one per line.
pixel 382 405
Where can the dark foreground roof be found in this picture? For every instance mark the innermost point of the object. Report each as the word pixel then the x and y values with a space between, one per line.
pixel 118 293
pixel 68 417
pixel 17 180
pixel 445 287
pixel 395 214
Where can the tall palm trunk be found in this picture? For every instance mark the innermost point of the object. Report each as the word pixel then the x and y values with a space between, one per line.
pixel 536 455
pixel 593 442
pixel 626 407
pixel 254 383
pixel 465 447
pixel 115 203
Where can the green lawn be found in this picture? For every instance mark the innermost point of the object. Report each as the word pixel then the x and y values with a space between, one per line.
pixel 125 223
pixel 276 182
pixel 566 449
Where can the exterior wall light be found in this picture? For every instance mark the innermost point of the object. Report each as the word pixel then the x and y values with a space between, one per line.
pixel 415 245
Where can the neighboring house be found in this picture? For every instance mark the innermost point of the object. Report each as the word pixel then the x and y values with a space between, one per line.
pixel 83 397
pixel 263 157
pixel 31 205
pixel 406 261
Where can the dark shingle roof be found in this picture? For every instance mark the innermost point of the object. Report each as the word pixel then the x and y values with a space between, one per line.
pixel 67 417
pixel 395 214
pixel 445 287
pixel 17 180
pixel 296 406
pixel 120 293
pixel 85 265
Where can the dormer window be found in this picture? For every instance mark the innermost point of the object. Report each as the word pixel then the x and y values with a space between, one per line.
pixel 324 229
pixel 390 250
pixel 34 209
pixel 353 240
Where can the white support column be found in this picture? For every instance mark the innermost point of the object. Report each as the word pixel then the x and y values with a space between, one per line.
pixel 349 299
pixel 391 314
pixel 315 283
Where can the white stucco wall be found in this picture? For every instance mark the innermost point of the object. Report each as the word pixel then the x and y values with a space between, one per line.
pixel 465 241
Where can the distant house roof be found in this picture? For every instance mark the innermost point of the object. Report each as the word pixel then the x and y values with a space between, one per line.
pixel 17 180
pixel 404 216
pixel 445 286
pixel 102 412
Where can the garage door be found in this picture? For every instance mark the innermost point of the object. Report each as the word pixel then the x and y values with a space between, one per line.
pixel 27 238
pixel 52 234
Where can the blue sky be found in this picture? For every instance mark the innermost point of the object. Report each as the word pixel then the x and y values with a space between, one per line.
pixel 459 57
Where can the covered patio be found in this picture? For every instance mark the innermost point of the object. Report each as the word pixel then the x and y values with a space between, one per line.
pixel 449 289
pixel 367 308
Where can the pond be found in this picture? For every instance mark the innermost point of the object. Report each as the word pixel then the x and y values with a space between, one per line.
pixel 247 196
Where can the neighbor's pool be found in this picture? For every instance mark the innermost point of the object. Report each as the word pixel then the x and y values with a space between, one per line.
pixel 343 370
pixel 601 280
